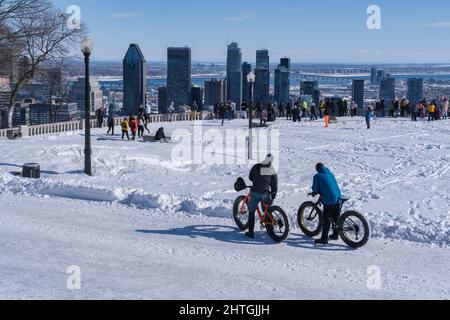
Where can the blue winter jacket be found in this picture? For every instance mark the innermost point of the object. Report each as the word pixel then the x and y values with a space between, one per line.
pixel 326 185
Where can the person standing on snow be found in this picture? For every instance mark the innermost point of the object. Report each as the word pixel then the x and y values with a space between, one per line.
pixel 445 105
pixel 369 117
pixel 265 189
pixel 133 127
pixel 289 111
pixel 325 184
pixel 111 124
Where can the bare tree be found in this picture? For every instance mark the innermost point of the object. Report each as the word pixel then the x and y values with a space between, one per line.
pixel 44 37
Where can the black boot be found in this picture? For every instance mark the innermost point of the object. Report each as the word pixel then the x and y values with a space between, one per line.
pixel 321 241
pixel 250 235
pixel 335 235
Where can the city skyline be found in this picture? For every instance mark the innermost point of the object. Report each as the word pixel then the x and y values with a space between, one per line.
pixel 284 29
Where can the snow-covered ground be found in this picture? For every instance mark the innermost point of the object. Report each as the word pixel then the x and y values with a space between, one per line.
pixel 149 227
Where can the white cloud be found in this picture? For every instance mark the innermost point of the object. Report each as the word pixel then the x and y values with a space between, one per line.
pixel 123 15
pixel 238 18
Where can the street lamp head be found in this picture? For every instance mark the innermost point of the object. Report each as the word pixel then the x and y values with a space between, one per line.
pixel 251 77
pixel 87 45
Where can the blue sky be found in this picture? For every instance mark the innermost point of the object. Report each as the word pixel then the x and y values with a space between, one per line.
pixel 307 31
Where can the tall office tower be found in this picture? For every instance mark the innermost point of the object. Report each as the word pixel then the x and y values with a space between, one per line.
pixel 381 74
pixel 415 91
pixel 215 92
pixel 387 91
pixel 76 95
pixel 373 76
pixel 246 68
pixel 311 88
pixel 134 80
pixel 358 92
pixel 179 76
pixel 282 81
pixel 163 105
pixel 41 113
pixel 234 74
pixel 285 62
pixel 262 82
pixel 197 97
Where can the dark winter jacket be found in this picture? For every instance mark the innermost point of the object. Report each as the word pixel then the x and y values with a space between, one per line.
pixel 160 135
pixel 265 179
pixel 326 185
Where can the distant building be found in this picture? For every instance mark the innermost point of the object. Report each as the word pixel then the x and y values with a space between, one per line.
pixel 134 80
pixel 373 76
pixel 234 74
pixel 41 113
pixel 358 92
pixel 414 91
pixel 311 88
pixel 197 97
pixel 282 81
pixel 387 90
pixel 381 74
pixel 68 112
pixel 262 81
pixel 285 62
pixel 246 68
pixel 215 92
pixel 163 104
pixel 76 95
pixel 179 76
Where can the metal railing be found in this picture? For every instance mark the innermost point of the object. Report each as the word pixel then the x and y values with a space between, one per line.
pixel 52 128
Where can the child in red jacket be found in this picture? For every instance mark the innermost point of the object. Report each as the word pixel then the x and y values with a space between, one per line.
pixel 133 127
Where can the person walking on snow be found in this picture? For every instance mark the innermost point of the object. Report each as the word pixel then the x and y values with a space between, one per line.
pixel 125 128
pixel 369 117
pixel 111 124
pixel 325 184
pixel 445 105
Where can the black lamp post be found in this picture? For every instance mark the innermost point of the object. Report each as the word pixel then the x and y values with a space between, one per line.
pixel 251 81
pixel 86 48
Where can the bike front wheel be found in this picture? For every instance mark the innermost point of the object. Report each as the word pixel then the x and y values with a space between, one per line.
pixel 310 219
pixel 278 227
pixel 241 213
pixel 354 229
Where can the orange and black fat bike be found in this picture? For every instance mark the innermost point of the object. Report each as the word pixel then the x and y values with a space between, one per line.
pixel 272 218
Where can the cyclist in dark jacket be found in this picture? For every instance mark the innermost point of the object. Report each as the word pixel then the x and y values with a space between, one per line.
pixel 265 189
pixel 326 185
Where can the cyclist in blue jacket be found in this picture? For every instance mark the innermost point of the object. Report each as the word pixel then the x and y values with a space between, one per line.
pixel 325 184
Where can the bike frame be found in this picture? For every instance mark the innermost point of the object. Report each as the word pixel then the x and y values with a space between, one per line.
pixel 262 217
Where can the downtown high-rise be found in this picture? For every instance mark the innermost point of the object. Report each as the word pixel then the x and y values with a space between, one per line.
pixel 415 91
pixel 282 81
pixel 246 69
pixel 234 74
pixel 134 80
pixel 358 92
pixel 387 90
pixel 179 76
pixel 262 81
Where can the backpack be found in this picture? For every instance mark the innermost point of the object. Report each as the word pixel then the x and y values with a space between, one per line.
pixel 240 185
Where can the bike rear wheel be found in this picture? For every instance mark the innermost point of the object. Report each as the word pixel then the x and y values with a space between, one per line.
pixel 354 229
pixel 241 213
pixel 278 230
pixel 310 219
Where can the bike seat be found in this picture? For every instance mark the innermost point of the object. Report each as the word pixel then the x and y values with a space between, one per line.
pixel 344 200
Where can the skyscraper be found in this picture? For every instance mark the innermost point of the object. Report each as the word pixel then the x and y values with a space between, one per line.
pixel 246 68
pixel 373 76
pixel 358 92
pixel 76 95
pixel 162 100
pixel 311 88
pixel 234 74
pixel 134 80
pixel 262 72
pixel 179 76
pixel 197 97
pixel 415 91
pixel 282 81
pixel 387 90
pixel 215 92
pixel 381 74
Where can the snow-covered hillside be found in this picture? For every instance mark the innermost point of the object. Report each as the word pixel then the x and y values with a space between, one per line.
pixel 148 227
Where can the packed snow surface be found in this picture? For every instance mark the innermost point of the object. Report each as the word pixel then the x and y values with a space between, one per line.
pixel 149 226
